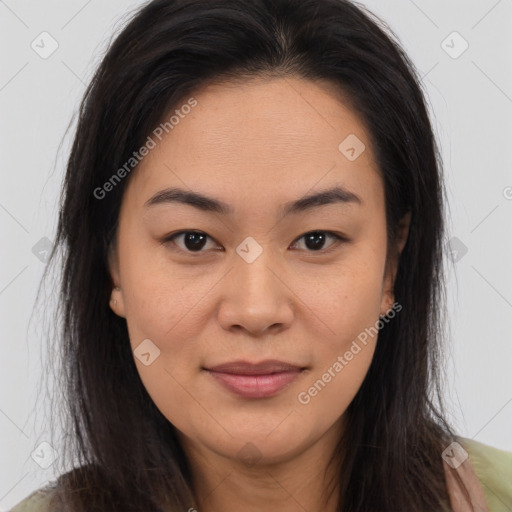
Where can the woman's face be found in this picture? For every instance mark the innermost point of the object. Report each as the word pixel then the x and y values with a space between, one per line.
pixel 253 287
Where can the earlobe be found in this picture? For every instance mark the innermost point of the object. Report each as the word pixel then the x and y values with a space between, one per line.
pixel 387 302
pixel 117 302
pixel 113 298
pixel 388 290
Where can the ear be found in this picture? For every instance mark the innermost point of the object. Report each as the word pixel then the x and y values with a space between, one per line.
pixel 116 299
pixel 388 288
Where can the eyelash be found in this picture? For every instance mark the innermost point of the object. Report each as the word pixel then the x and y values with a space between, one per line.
pixel 338 238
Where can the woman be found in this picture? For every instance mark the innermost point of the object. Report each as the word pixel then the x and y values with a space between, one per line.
pixel 252 227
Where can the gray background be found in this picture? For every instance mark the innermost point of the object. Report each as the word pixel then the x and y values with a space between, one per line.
pixel 470 95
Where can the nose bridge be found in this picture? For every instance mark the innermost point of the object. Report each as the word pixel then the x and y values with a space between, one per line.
pixel 256 297
pixel 255 268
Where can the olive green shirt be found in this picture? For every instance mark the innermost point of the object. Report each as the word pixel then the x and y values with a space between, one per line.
pixel 492 466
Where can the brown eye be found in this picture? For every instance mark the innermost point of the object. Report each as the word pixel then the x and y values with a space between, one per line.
pixel 191 241
pixel 315 240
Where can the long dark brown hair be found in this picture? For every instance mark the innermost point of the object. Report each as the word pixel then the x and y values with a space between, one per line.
pixel 121 453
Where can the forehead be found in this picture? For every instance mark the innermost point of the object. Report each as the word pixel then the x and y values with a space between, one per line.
pixel 252 138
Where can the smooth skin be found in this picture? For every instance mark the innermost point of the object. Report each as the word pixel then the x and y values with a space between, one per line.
pixel 255 145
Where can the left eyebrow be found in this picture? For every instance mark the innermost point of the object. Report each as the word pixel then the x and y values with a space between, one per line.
pixel 330 196
pixel 209 204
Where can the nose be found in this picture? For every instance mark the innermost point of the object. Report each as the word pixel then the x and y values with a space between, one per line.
pixel 256 297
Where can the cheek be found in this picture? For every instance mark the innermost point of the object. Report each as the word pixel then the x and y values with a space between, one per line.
pixel 328 391
pixel 345 299
pixel 159 296
pixel 165 308
pixel 345 307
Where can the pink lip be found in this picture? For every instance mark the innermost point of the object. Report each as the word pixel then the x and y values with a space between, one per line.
pixel 259 380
